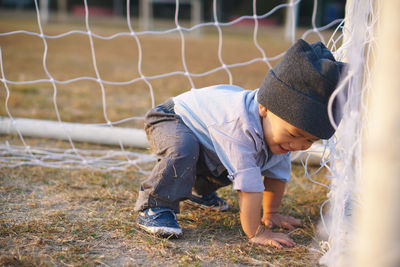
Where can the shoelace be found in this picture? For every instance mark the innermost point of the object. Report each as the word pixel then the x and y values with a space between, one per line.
pixel 159 213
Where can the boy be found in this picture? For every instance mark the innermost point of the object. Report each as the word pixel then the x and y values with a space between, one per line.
pixel 211 137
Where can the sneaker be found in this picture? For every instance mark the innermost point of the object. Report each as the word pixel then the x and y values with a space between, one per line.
pixel 212 201
pixel 159 221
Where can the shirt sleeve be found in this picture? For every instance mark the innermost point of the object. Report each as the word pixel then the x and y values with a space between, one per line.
pixel 235 148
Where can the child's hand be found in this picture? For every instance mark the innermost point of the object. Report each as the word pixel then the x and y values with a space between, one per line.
pixel 278 220
pixel 267 238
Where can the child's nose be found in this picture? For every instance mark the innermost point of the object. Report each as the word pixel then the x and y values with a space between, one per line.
pixel 294 146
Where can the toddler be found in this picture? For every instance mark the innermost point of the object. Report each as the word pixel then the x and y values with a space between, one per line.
pixel 208 138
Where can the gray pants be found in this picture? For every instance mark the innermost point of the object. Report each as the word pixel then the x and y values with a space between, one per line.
pixel 179 167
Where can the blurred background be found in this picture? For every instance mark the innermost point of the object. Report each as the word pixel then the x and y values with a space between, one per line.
pixel 328 10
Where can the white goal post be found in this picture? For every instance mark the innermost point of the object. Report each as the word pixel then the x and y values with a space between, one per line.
pixel 377 232
pixel 146 11
pixel 75 131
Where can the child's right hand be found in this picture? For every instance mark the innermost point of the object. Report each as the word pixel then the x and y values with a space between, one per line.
pixel 267 238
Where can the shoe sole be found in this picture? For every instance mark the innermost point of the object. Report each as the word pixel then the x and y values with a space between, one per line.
pixel 165 232
pixel 223 208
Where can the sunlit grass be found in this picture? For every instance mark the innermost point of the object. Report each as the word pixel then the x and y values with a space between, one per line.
pixel 81 217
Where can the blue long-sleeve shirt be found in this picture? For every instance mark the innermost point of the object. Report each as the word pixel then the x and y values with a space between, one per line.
pixel 226 120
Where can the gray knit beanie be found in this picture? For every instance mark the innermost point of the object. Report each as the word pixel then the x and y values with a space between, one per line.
pixel 298 88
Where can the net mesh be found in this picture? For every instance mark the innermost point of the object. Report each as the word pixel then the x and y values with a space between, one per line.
pixel 346 148
pixel 221 72
pixel 148 81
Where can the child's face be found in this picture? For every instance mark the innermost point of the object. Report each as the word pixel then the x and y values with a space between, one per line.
pixel 282 137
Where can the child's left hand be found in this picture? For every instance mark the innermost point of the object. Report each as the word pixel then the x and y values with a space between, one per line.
pixel 278 220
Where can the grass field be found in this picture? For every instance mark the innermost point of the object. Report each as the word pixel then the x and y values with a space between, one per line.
pixel 86 218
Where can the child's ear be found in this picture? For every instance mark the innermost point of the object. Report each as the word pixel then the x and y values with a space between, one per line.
pixel 262 110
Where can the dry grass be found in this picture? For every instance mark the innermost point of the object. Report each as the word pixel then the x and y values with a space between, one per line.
pixel 75 217
pixel 85 218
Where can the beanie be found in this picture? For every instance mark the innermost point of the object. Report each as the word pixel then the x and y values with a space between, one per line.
pixel 298 88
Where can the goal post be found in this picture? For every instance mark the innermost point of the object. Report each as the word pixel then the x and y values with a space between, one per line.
pixel 291 20
pixel 146 11
pixel 377 233
pixel 80 132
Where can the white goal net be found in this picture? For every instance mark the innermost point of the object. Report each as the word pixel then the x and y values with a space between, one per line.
pixel 91 80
